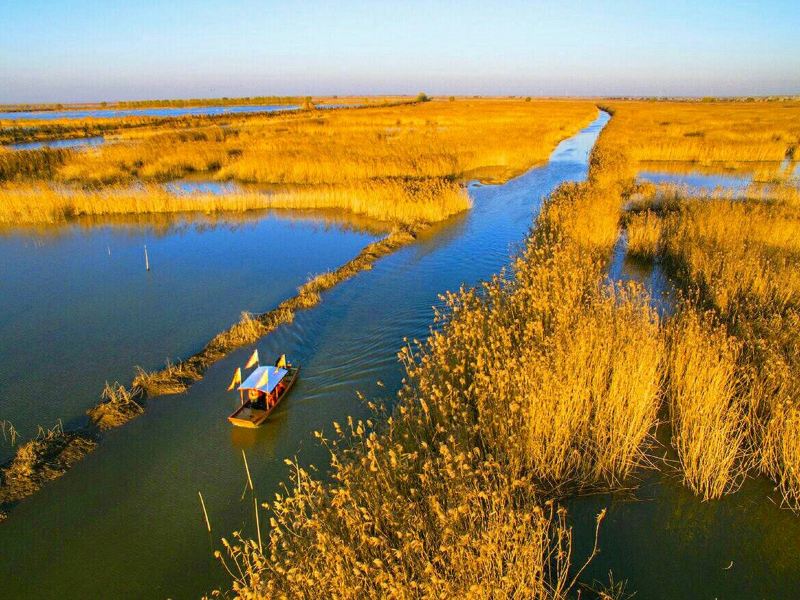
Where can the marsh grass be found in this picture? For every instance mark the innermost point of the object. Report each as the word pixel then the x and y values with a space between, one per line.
pixel 400 163
pixel 728 136
pixel 740 259
pixel 541 383
pixel 39 164
pixel 708 414
pixel 118 406
pixel 392 201
pixel 45 457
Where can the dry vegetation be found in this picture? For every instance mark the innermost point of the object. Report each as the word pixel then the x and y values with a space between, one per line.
pixel 741 260
pixel 734 350
pixel 752 137
pixel 45 457
pixel 118 406
pixel 400 163
pixel 541 383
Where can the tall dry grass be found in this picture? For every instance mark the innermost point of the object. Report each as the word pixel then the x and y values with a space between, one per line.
pixel 709 417
pixel 741 259
pixel 393 201
pixel 401 163
pixel 734 136
pixel 430 139
pixel 540 383
pixel 45 457
pixel 30 164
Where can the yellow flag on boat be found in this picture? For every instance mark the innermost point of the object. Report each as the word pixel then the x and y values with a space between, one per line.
pixel 237 379
pixel 253 360
pixel 264 379
pixel 281 364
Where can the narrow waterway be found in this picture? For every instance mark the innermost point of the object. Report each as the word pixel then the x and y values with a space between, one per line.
pixel 126 522
pixel 156 111
pixel 77 143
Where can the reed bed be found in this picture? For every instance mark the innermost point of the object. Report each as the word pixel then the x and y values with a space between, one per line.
pixel 393 201
pixel 34 130
pixel 730 136
pixel 541 383
pixel 118 406
pixel 708 415
pixel 400 163
pixel 30 164
pixel 430 139
pixel 738 258
pixel 39 460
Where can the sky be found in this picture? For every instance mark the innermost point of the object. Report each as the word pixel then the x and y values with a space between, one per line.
pixel 88 50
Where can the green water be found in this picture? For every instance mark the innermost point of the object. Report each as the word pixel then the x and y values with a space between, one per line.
pixel 126 522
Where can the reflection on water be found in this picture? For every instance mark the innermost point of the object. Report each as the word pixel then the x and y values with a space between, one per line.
pixel 700 182
pixel 70 143
pixel 664 540
pixel 164 224
pixel 669 544
pixel 110 113
pixel 77 307
pixel 648 274
pixel 136 496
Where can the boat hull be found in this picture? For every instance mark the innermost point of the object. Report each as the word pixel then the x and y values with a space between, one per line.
pixel 251 418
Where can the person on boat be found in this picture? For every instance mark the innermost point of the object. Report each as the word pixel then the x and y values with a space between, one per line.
pixel 257 399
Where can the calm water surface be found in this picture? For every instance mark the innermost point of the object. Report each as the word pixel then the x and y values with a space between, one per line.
pixel 110 113
pixel 662 539
pixel 70 143
pixel 700 181
pixel 77 307
pixel 126 522
pixel 164 111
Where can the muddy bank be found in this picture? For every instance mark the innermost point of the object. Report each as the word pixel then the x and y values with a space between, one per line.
pixel 46 457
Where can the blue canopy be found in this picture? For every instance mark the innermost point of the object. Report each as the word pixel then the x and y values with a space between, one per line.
pixel 264 379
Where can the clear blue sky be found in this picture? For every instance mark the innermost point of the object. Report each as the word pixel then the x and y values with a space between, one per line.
pixel 85 50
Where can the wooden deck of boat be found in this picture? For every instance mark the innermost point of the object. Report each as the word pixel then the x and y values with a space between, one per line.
pixel 248 416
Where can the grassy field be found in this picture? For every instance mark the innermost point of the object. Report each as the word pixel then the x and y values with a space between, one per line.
pixel 746 137
pixel 401 163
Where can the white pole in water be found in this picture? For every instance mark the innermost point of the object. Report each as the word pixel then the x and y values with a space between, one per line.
pixel 146 259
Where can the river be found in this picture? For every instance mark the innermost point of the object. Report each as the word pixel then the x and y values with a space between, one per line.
pixel 126 522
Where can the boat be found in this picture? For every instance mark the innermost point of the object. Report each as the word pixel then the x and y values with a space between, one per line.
pixel 262 391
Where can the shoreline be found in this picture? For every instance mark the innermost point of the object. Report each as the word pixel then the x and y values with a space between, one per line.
pixel 120 404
